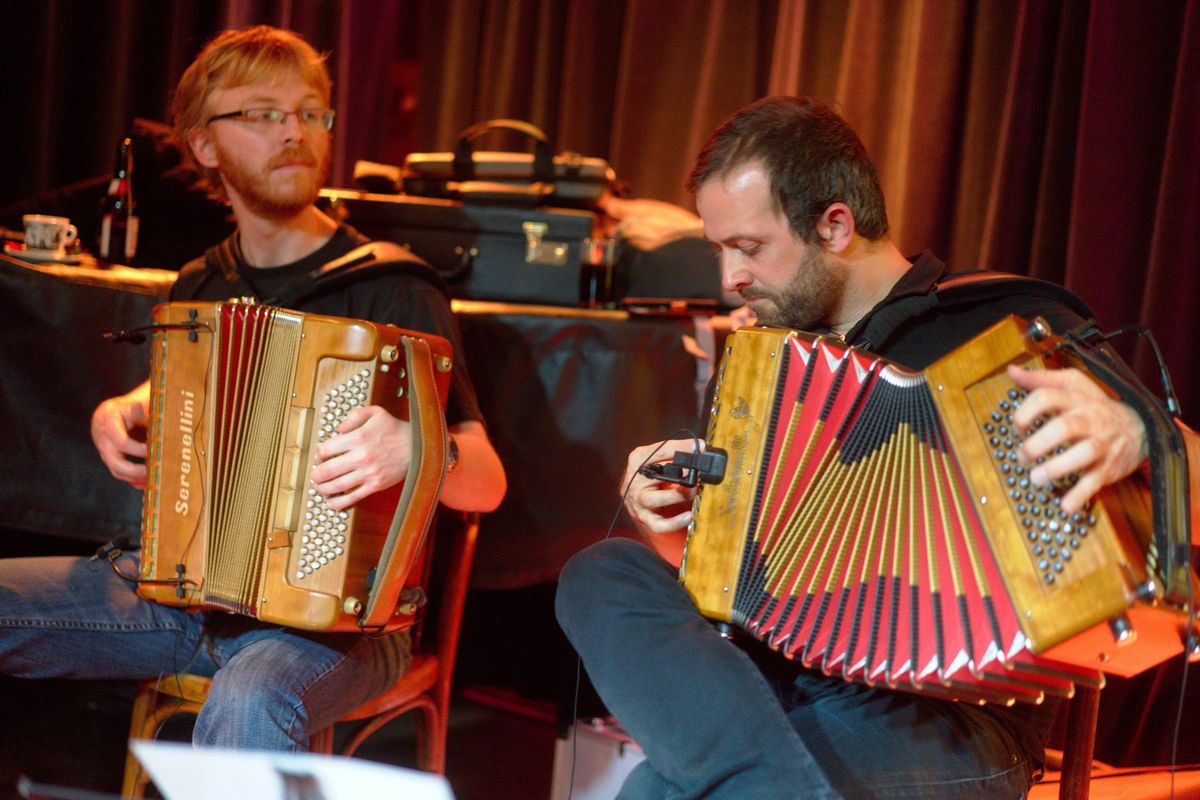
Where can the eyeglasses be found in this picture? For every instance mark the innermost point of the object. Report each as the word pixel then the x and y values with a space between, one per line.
pixel 265 117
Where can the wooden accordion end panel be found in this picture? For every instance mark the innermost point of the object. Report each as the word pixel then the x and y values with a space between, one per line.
pixel 241 395
pixel 874 523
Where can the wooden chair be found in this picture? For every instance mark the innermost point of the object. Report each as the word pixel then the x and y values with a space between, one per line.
pixel 425 687
pixel 1083 712
pixel 1074 762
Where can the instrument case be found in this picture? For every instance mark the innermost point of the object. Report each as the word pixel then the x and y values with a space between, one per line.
pixel 538 178
pixel 484 251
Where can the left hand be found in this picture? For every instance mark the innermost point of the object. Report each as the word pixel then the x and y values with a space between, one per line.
pixel 371 451
pixel 1104 439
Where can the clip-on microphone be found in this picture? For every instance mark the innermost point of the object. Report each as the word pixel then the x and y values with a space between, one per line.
pixel 688 469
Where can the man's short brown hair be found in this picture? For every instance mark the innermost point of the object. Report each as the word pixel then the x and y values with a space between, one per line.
pixel 812 157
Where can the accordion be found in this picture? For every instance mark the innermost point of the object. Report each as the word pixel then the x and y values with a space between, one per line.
pixel 240 397
pixel 875 523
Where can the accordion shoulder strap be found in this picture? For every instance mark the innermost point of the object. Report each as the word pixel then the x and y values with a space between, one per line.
pixel 365 261
pixel 966 288
pixel 960 291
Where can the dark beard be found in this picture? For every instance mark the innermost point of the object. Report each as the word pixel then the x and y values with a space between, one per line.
pixel 808 301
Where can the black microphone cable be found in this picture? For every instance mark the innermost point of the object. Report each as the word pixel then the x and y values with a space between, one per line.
pixel 612 525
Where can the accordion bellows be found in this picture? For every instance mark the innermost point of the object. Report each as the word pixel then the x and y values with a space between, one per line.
pixel 241 395
pixel 875 523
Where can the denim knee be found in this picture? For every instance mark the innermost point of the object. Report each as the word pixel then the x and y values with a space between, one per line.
pixel 598 572
pixel 255 716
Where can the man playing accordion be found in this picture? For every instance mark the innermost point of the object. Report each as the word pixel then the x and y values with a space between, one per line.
pixel 791 201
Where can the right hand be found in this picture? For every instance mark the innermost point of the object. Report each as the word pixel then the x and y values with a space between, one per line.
pixel 661 510
pixel 113 423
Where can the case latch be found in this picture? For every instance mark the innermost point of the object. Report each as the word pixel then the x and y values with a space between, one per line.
pixel 538 251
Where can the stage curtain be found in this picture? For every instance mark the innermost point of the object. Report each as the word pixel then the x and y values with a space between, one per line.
pixel 1055 139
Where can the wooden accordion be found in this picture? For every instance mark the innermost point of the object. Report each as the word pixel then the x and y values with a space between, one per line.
pixel 240 396
pixel 875 523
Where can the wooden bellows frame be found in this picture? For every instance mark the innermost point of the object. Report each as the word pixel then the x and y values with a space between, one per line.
pixel 241 395
pixel 875 523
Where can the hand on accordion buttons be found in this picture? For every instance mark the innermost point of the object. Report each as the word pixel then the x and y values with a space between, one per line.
pixel 118 431
pixel 1086 432
pixel 370 452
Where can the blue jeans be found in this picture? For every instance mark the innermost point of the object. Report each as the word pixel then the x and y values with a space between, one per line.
pixel 65 617
pixel 716 722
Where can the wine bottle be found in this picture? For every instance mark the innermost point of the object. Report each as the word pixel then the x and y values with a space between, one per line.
pixel 118 223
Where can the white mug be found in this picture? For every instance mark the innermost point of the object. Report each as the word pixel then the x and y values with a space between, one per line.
pixel 51 234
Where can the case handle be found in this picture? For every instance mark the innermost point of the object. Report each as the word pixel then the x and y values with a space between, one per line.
pixel 464 150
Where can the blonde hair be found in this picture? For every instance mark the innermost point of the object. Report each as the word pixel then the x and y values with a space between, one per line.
pixel 237 58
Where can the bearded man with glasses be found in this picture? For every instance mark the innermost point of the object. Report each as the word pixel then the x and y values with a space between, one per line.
pixel 252 113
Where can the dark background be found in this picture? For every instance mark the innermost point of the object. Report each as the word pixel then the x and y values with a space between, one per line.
pixel 1059 139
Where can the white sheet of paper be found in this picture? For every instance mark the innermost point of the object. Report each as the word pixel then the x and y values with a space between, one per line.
pixel 184 772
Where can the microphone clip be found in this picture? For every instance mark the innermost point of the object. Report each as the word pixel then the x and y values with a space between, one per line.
pixel 688 469
pixel 111 550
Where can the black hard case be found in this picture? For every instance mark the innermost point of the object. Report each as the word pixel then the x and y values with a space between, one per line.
pixel 485 252
pixel 539 178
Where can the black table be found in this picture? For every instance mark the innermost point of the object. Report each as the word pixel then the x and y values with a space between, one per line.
pixel 566 394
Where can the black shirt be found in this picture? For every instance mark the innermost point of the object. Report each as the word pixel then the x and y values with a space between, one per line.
pixel 409 299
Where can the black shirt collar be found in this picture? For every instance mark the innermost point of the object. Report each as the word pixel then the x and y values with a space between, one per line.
pixel 918 281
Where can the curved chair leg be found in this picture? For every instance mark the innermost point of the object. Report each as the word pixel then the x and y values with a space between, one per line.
pixel 154 703
pixel 431 739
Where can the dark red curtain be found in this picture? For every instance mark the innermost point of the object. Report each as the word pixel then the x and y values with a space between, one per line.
pixel 1056 139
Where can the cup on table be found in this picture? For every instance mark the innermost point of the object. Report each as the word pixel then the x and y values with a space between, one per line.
pixel 48 234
